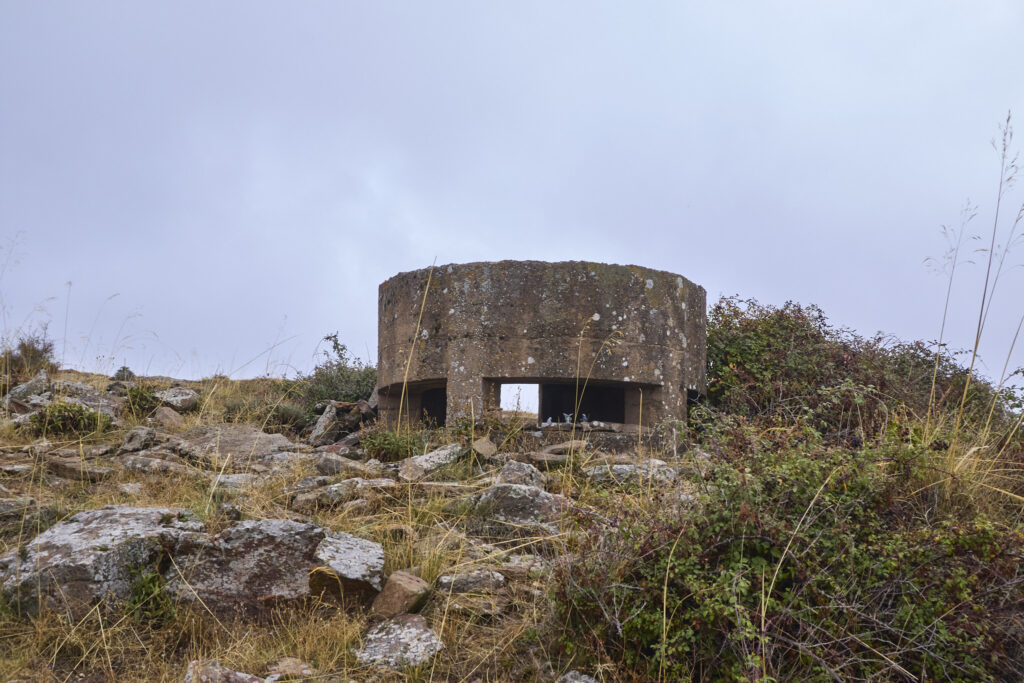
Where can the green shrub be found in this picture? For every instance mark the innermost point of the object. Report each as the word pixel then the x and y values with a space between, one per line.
pixel 26 356
pixel 148 600
pixel 67 419
pixel 339 377
pixel 804 563
pixel 789 364
pixel 389 446
pixel 141 401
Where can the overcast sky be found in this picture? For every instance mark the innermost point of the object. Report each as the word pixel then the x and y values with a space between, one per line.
pixel 229 181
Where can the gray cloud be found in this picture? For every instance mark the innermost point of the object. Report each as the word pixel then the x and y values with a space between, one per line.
pixel 245 173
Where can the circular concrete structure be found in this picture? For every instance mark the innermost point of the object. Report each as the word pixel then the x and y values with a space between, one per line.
pixel 635 336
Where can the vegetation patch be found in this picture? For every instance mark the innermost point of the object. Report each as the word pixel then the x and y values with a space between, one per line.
pixel 61 418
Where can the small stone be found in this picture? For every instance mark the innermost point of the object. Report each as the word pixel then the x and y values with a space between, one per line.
pixel 419 466
pixel 520 504
pixel 547 460
pixel 356 563
pixel 138 463
pixel 207 671
pixel 168 418
pixel 235 482
pixel 404 592
pixel 327 428
pixel 479 581
pixel 648 471
pixel 484 447
pixel 405 640
pixel 15 508
pixel 131 488
pixel 290 669
pixel 139 438
pixel 337 465
pixel 179 398
pixel 565 448
pixel 575 677
pixel 515 472
pixel 524 567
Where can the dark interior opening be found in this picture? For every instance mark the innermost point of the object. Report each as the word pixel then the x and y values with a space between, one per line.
pixel 602 403
pixel 434 404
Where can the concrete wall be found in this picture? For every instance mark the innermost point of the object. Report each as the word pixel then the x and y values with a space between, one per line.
pixel 483 324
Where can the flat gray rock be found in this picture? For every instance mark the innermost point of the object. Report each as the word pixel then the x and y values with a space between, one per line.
pixel 419 466
pixel 241 443
pixel 405 640
pixel 520 504
pixel 179 399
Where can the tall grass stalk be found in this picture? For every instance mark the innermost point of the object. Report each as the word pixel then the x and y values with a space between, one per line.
pixel 1007 175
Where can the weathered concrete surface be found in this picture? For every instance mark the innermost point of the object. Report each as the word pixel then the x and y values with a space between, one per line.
pixel 636 332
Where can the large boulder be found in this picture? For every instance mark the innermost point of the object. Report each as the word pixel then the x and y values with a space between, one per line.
pixel 258 563
pixel 97 556
pixel 93 557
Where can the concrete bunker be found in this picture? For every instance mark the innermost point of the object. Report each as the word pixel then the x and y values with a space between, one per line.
pixel 609 343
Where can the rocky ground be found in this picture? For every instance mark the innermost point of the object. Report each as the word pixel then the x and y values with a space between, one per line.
pixel 176 545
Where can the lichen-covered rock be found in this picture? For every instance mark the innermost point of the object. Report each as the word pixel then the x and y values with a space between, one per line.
pixel 419 466
pixel 338 418
pixel 405 640
pixel 82 394
pixel 515 472
pixel 340 493
pixel 16 400
pixel 332 464
pixel 207 671
pixel 575 677
pixel 524 567
pixel 93 557
pixel 404 592
pixel 140 438
pixel 479 581
pixel 327 428
pixel 249 565
pixel 290 669
pixel 356 566
pixel 235 482
pixel 649 471
pixel 240 444
pixel 520 504
pixel 179 398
